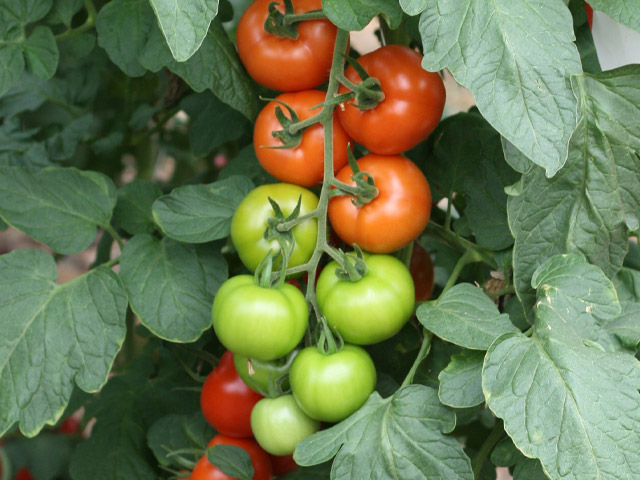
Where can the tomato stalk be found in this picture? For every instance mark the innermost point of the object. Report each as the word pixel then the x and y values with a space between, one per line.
pixel 92 14
pixel 487 447
pixel 425 347
pixel 284 24
pixel 459 243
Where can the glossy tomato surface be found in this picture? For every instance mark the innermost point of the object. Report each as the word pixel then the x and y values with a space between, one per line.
pixel 329 388
pixel 286 64
pixel 395 217
pixel 422 272
pixel 204 470
pixel 303 164
pixel 257 322
pixel 250 219
pixel 412 107
pixel 226 401
pixel 371 309
pixel 279 423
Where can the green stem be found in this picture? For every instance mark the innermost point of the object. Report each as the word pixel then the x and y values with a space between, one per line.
pixel 115 235
pixel 286 226
pixel 301 125
pixel 422 354
pixel 447 218
pixel 293 18
pixel 503 291
pixel 112 262
pixel 487 447
pixel 467 257
pixel 88 23
pixel 461 244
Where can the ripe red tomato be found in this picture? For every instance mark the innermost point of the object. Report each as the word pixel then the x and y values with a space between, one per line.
pixel 226 401
pixel 421 269
pixel 412 107
pixel 589 14
pixel 23 474
pixel 302 165
pixel 395 217
pixel 70 426
pixel 283 464
pixel 285 64
pixel 204 470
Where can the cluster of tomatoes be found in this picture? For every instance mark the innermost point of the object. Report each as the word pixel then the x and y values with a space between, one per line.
pixel 280 394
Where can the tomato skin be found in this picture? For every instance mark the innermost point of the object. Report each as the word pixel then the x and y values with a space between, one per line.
pixel 395 217
pixel 256 322
pixel 204 470
pixel 278 424
pixel 371 309
pixel 283 464
pixel 421 268
pixel 329 388
pixel 302 165
pixel 260 376
pixel 250 221
pixel 23 474
pixel 226 401
pixel 412 107
pixel 285 64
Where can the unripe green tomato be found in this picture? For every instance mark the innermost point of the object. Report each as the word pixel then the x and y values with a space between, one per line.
pixel 249 223
pixel 258 381
pixel 278 424
pixel 371 309
pixel 257 322
pixel 331 387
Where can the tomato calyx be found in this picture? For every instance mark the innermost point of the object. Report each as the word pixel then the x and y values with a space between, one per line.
pixel 278 374
pixel 292 127
pixel 329 341
pixel 364 190
pixel 365 95
pixel 284 24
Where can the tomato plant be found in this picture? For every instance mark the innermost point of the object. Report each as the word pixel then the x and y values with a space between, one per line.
pixel 133 204
pixel 204 470
pixel 412 105
pixel 280 62
pixel 258 322
pixel 278 424
pixel 303 163
pixel 331 387
pixel 226 401
pixel 250 221
pixel 371 309
pixel 397 215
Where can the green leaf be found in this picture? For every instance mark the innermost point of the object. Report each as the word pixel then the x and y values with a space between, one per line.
pixel 356 14
pixel 123 28
pixel 590 205
pixel 66 219
pixel 465 316
pixel 41 52
pixel 413 7
pixel 133 210
pixel 459 142
pixel 63 11
pixel 23 12
pixel 215 66
pixel 63 145
pixel 201 213
pixel 185 24
pixel 53 335
pixel 21 98
pixel 626 12
pixel 461 381
pixel 507 455
pixel 171 285
pixel 519 82
pixel 564 399
pixel 11 66
pixel 627 326
pixel 125 410
pixel 212 122
pixel 142 115
pixel 18 147
pixel 177 432
pixel 398 437
pixel 232 460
